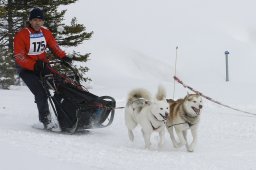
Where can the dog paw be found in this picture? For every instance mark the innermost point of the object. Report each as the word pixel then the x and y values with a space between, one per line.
pixel 160 145
pixel 147 147
pixel 175 145
pixel 190 149
pixel 131 136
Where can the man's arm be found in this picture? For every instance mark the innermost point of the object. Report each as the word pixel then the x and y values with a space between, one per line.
pixel 20 55
pixel 53 45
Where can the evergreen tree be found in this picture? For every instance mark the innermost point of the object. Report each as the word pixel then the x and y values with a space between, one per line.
pixel 8 24
pixel 14 15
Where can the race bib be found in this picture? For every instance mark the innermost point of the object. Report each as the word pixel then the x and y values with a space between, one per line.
pixel 37 44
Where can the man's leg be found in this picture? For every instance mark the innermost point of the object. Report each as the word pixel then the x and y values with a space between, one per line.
pixel 34 84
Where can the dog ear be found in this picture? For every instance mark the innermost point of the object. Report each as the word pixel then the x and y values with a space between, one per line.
pixel 186 97
pixel 187 94
pixel 169 100
pixel 198 93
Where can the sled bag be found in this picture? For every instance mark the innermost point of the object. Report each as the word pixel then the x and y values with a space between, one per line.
pixel 80 108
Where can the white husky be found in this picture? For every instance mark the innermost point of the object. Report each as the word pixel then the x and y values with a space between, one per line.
pixel 150 114
pixel 184 115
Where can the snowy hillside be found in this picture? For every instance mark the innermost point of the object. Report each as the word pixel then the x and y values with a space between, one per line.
pixel 134 46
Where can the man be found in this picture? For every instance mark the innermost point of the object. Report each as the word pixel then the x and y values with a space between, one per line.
pixel 30 45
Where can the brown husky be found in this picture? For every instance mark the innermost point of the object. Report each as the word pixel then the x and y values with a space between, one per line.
pixel 184 115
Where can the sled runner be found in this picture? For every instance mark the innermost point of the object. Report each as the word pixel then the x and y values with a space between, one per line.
pixel 75 107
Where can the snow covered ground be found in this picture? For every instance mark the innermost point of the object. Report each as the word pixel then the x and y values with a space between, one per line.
pixel 134 46
pixel 226 137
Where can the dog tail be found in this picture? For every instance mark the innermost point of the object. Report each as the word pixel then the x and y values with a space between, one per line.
pixel 161 93
pixel 139 93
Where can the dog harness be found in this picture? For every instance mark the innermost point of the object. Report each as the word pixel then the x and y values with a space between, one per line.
pixel 189 124
pixel 153 126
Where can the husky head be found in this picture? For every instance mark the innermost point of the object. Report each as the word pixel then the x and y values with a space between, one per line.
pixel 160 107
pixel 193 104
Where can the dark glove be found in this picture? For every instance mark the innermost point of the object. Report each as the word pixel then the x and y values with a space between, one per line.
pixel 41 68
pixel 68 58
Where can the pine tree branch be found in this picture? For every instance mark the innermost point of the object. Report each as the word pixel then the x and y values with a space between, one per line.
pixel 4 36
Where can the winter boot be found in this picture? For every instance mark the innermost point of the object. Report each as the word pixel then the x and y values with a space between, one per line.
pixel 48 123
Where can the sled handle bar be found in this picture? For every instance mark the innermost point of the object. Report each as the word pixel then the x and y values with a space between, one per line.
pixel 62 63
pixel 68 65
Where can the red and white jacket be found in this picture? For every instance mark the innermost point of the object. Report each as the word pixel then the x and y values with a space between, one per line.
pixel 30 46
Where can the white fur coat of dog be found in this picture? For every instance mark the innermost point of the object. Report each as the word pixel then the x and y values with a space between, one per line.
pixel 150 113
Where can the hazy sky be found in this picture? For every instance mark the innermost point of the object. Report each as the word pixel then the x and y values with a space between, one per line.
pixel 203 29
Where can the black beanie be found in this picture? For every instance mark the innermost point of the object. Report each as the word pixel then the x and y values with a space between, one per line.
pixel 36 13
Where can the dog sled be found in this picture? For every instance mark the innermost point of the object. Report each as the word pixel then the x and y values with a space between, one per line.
pixel 75 107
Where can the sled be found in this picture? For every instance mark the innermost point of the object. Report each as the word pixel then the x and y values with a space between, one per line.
pixel 75 107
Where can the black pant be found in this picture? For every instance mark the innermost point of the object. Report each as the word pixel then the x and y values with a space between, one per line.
pixel 35 85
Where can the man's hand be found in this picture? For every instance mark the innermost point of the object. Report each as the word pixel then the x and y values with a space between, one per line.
pixel 68 58
pixel 41 68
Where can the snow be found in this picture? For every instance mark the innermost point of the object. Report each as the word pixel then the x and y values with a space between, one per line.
pixel 60 29
pixel 134 45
